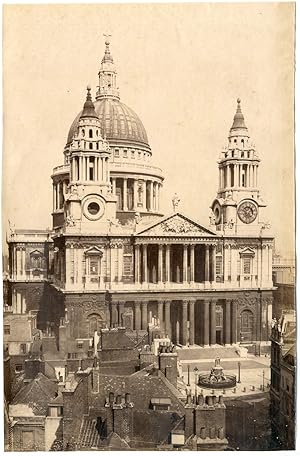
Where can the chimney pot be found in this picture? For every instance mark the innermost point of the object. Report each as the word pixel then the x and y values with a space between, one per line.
pixel 200 399
pixel 111 398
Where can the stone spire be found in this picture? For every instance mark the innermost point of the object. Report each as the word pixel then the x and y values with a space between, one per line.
pixel 88 107
pixel 238 120
pixel 107 76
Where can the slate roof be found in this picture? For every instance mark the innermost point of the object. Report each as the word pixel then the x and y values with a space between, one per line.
pixel 37 394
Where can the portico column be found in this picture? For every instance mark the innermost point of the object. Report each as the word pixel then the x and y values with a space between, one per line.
pixel 240 175
pixel 125 194
pixel 233 321
pixel 144 315
pixel 192 263
pixel 168 319
pixel 114 314
pixel 160 263
pixel 158 197
pixel 192 322
pixel 154 196
pixel 184 322
pixel 151 196
pixel 57 196
pixel 135 195
pixel 18 254
pixel 185 263
pixel 144 195
pixel 213 263
pixel 160 312
pixel 235 175
pixel 54 196
pixel 213 322
pixel 121 311
pixel 145 268
pixel 114 180
pixel 206 322
pixel 227 321
pixel 167 263
pixel 137 316
pixel 136 263
pixel 206 263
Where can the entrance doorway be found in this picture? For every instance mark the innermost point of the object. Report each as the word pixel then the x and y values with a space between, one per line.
pixel 219 337
pixel 246 325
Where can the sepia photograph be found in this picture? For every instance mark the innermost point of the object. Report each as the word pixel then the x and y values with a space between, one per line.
pixel 148 227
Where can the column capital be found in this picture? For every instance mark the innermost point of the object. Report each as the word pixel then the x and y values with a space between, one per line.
pixel 185 302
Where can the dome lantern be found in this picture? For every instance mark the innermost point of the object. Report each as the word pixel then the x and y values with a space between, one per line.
pixel 107 76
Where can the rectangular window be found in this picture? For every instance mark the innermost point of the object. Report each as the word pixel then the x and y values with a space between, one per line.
pixel 94 266
pixel 132 154
pixel 18 368
pixel 247 265
pixel 117 153
pixel 7 329
pixel 79 344
pixel 125 153
pixel 218 265
pixel 23 349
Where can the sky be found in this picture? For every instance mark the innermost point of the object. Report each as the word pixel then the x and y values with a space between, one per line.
pixel 181 68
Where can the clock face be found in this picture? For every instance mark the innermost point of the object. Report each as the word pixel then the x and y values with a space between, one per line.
pixel 247 212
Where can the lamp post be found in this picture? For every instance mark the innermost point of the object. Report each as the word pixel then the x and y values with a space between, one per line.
pixel 188 379
pixel 196 370
pixel 263 377
pixel 239 372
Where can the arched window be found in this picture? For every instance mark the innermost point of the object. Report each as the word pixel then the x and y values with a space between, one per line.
pixel 83 132
pixel 95 323
pixel 90 133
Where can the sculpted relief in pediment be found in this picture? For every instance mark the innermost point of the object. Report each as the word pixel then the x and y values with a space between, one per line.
pixel 176 226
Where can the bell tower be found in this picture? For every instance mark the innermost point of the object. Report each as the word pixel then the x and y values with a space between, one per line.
pixel 89 203
pixel 238 206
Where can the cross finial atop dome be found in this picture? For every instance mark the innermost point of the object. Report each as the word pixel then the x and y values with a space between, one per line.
pixel 107 55
pixel 238 120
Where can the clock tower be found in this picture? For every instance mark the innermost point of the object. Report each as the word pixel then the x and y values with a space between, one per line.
pixel 238 206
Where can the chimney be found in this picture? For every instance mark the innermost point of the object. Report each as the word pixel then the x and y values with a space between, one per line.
pixel 210 421
pixel 123 417
pixel 33 366
pixel 189 418
pixel 167 361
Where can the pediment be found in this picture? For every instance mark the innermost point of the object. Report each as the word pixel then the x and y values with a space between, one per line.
pixel 247 252
pixel 176 225
pixel 36 253
pixel 94 250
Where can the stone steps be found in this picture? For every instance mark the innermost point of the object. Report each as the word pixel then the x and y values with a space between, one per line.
pixel 207 353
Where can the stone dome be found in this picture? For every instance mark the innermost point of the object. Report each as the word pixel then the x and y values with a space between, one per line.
pixel 119 123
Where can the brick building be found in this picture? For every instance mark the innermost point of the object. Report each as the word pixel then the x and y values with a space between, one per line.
pixel 282 389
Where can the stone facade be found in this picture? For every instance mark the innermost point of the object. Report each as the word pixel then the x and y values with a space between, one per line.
pixel 112 260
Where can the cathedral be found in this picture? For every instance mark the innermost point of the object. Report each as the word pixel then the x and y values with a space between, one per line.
pixel 112 259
